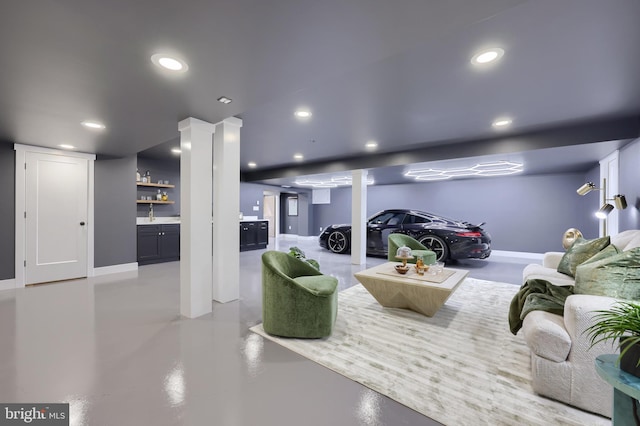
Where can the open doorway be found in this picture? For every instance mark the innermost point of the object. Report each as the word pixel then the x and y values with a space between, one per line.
pixel 269 212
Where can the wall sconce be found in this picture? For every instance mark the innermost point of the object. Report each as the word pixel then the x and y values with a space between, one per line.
pixel 586 188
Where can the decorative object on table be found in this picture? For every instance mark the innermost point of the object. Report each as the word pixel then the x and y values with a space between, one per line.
pixel 159 196
pixel 570 236
pixel 620 323
pixel 299 254
pixel 401 269
pixel 404 253
pixel 420 266
pixel 165 197
pixel 436 268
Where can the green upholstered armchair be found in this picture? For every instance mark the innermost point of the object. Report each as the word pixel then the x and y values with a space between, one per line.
pixel 398 240
pixel 297 300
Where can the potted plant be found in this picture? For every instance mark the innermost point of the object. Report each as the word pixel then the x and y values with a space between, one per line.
pixel 622 323
pixel 299 254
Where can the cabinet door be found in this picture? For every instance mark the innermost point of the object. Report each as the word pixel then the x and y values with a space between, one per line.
pixel 170 242
pixel 263 233
pixel 148 243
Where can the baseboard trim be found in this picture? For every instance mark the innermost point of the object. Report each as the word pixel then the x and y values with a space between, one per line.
pixel 517 254
pixel 115 269
pixel 7 284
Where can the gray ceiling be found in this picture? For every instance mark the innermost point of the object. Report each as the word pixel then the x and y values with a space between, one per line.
pixel 394 72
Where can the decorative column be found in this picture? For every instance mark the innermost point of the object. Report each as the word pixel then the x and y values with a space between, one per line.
pixel 226 210
pixel 195 217
pixel 359 217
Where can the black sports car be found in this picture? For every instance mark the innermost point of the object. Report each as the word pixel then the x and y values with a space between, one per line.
pixel 449 239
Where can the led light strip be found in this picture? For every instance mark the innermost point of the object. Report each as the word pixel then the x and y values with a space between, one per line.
pixel 497 168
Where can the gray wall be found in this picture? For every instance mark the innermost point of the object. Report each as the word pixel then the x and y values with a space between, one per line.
pixel 115 211
pixel 630 185
pixel 7 211
pixel 160 170
pixel 523 213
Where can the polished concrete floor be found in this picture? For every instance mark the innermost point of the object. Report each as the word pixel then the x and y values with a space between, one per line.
pixel 116 348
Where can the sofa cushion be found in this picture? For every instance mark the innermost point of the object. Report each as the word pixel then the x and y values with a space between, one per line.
pixel 626 240
pixel 615 276
pixel 536 271
pixel 580 251
pixel 546 336
pixel 320 285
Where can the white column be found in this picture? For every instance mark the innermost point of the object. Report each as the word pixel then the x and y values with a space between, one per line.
pixel 195 216
pixel 359 217
pixel 226 209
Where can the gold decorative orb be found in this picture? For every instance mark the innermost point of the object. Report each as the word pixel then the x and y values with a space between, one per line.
pixel 570 235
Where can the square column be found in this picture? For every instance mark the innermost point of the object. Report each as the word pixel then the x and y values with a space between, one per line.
pixel 359 217
pixel 226 210
pixel 195 217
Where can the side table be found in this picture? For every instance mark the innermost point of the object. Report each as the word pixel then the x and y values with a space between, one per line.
pixel 626 391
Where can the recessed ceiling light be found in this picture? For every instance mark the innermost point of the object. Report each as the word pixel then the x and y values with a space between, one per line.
pixel 487 56
pixel 169 63
pixel 302 113
pixel 371 145
pixel 286 186
pixel 66 146
pixel 224 100
pixel 176 151
pixel 298 156
pixel 252 164
pixel 501 122
pixel 93 125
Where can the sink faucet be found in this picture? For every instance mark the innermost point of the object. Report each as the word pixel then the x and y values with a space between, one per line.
pixel 151 218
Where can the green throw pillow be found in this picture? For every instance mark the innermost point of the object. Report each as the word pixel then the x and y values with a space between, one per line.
pixel 580 251
pixel 615 276
pixel 608 251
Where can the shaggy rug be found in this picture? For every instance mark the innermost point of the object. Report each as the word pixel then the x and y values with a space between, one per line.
pixel 462 366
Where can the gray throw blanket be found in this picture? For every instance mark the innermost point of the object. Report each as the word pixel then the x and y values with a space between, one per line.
pixel 536 294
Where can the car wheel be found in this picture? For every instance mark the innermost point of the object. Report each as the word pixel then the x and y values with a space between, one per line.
pixel 436 245
pixel 338 242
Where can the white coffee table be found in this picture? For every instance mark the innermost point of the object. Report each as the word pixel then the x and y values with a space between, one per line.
pixel 410 291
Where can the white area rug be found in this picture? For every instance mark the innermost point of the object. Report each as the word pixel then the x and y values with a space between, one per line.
pixel 460 367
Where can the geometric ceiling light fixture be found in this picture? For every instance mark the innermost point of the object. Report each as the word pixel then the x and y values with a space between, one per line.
pixel 496 168
pixel 332 182
pixel 224 100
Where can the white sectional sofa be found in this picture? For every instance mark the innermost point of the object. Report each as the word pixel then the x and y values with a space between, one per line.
pixel 562 365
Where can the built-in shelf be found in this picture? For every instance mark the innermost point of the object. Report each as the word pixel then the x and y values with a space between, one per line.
pixel 154 202
pixel 155 185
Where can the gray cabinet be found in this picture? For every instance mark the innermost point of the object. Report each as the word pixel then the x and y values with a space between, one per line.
pixel 158 243
pixel 254 235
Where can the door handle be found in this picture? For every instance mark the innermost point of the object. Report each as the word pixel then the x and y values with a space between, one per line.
pixel 81 223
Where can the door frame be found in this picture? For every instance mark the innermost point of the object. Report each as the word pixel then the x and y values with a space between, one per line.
pixel 21 188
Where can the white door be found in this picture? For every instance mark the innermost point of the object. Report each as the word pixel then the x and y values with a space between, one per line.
pixel 269 213
pixel 56 217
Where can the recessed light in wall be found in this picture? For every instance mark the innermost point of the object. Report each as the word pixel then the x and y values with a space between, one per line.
pixel 371 145
pixel 66 146
pixel 224 100
pixel 298 157
pixel 93 125
pixel 487 56
pixel 501 122
pixel 169 62
pixel 176 151
pixel 252 164
pixel 302 113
